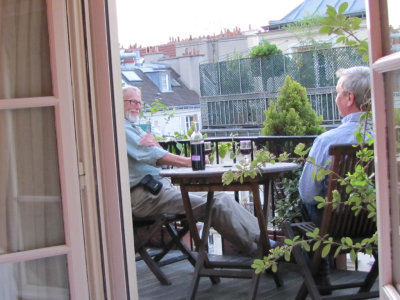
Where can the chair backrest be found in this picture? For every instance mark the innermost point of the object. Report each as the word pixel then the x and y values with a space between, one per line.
pixel 341 221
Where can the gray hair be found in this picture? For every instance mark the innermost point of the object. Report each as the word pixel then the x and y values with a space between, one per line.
pixel 357 80
pixel 131 88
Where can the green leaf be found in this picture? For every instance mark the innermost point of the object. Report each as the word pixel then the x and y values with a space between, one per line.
pixel 306 247
pixel 353 255
pixel 289 242
pixel 343 7
pixel 330 11
pixel 340 39
pixel 325 29
pixel 287 256
pixel 320 174
pixel 337 252
pixel 316 245
pixel 326 250
pixel 349 241
pixel 274 268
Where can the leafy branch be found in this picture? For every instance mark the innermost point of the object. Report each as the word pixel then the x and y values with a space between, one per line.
pixel 253 168
pixel 314 242
pixel 345 27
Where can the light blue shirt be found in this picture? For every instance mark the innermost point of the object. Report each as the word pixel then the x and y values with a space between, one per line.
pixel 343 134
pixel 142 159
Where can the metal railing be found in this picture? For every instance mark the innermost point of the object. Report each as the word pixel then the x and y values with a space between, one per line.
pixel 235 93
pixel 274 144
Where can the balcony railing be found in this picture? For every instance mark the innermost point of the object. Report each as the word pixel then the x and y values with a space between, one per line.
pixel 274 144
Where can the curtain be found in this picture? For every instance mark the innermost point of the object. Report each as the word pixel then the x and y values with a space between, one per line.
pixel 31 214
pixel 24 52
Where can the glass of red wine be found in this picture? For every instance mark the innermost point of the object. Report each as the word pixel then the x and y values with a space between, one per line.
pixel 207 148
pixel 245 149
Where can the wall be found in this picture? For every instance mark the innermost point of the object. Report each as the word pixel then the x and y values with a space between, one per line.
pixel 160 126
pixel 188 68
pixel 219 49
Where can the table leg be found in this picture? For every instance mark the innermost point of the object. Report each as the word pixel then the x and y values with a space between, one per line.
pixel 258 210
pixel 202 258
pixel 261 214
pixel 189 216
pixel 255 279
pixel 269 198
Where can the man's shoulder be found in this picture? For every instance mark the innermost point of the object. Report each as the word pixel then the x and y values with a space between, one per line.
pixel 339 135
pixel 327 135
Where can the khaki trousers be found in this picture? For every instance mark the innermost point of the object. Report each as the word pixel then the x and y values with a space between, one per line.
pixel 229 218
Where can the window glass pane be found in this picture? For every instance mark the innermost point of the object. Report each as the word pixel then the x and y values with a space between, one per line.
pixel 30 198
pixel 394 24
pixel 392 86
pixel 37 279
pixel 131 76
pixel 24 50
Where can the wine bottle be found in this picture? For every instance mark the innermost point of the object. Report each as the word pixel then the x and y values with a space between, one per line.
pixel 197 147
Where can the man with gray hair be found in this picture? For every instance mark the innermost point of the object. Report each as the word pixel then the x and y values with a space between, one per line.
pixel 353 98
pixel 145 156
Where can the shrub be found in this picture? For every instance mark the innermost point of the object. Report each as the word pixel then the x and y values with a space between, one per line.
pixel 292 114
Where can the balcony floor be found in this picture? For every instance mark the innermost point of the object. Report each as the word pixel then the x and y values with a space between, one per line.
pixel 180 274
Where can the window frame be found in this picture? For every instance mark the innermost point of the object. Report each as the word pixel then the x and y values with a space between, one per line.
pixel 382 61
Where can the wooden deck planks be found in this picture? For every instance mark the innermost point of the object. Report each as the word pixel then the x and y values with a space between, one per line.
pixel 180 274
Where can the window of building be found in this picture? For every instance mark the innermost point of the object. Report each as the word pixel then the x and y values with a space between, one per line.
pixel 131 76
pixel 189 120
pixel 165 82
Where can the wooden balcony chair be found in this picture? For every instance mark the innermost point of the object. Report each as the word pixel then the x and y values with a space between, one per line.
pixel 153 226
pixel 340 222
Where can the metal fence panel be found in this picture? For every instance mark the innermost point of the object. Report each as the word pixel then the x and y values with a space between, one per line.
pixel 236 92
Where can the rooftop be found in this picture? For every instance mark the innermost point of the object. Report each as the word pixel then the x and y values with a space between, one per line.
pixel 159 81
pixel 317 8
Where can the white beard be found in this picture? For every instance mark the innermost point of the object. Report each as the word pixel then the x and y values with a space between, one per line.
pixel 131 118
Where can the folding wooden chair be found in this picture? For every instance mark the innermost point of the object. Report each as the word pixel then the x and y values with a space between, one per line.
pixel 338 223
pixel 153 225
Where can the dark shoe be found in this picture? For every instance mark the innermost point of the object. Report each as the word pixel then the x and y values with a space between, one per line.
pixel 323 281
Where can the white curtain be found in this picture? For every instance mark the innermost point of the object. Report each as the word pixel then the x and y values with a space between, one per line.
pixel 24 51
pixel 30 201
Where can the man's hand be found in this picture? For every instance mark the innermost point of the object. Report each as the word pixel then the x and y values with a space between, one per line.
pixel 149 140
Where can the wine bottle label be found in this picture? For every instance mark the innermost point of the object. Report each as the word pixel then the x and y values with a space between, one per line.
pixel 196 157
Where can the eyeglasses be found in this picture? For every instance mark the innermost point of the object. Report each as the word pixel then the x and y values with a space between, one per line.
pixel 132 102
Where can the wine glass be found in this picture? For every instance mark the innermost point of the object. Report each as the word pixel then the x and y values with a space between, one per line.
pixel 207 150
pixel 245 149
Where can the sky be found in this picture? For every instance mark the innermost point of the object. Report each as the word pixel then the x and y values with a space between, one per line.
pixel 153 22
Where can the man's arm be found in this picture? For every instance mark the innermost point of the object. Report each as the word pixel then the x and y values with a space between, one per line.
pixel 175 160
pixel 309 187
pixel 149 140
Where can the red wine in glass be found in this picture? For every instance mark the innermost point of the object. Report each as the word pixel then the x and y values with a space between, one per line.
pixel 207 148
pixel 245 149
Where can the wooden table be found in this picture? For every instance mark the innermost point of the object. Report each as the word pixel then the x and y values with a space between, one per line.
pixel 209 180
